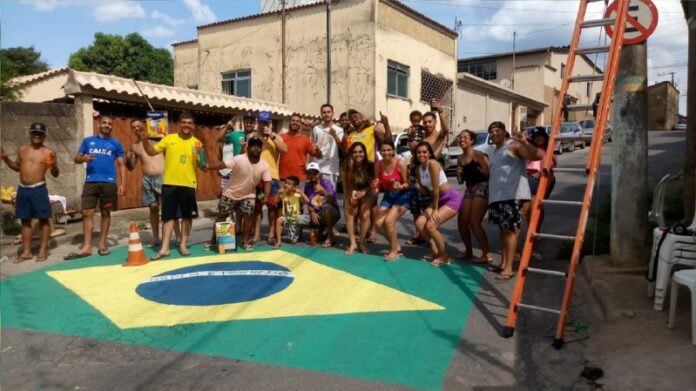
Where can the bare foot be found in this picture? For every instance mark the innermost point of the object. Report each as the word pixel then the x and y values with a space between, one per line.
pixel 277 244
pixel 41 257
pixel 465 255
pixel 392 256
pixel 351 250
pixel 441 262
pixel 22 258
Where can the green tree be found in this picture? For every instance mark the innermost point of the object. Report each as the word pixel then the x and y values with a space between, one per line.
pixel 18 61
pixel 131 56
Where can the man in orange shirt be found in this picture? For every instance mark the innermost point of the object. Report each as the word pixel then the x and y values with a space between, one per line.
pixel 300 150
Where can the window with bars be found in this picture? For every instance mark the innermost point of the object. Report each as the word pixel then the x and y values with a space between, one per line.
pixel 237 83
pixel 485 70
pixel 397 79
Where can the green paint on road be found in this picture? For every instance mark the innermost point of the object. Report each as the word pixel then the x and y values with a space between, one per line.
pixel 412 348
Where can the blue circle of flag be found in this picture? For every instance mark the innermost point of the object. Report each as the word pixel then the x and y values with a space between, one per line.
pixel 216 283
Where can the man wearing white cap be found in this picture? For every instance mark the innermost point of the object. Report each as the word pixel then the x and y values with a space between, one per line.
pixel 323 211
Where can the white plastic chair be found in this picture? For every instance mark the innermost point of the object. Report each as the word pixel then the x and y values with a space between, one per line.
pixel 688 279
pixel 675 250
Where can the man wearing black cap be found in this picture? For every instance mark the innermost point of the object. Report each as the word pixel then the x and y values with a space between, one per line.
pixel 31 162
pixel 248 170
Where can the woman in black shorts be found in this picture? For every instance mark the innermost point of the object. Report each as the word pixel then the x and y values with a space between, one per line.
pixel 472 169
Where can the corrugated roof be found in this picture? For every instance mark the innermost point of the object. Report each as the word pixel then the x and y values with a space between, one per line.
pixel 22 80
pixel 85 82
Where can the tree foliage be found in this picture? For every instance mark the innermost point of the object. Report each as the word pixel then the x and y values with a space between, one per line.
pixel 18 61
pixel 131 57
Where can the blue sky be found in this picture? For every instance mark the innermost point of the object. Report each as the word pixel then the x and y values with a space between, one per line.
pixel 58 28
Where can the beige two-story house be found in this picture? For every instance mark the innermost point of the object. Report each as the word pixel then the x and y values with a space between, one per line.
pixel 538 74
pixel 385 57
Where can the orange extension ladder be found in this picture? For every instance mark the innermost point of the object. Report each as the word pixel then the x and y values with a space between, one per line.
pixel 609 80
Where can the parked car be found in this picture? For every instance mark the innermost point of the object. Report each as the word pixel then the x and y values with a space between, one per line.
pixel 559 147
pixel 481 143
pixel 588 130
pixel 681 124
pixel 400 140
pixel 567 137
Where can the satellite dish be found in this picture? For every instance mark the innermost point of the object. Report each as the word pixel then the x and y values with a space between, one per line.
pixel 505 83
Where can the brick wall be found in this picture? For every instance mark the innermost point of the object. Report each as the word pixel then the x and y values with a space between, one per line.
pixel 63 137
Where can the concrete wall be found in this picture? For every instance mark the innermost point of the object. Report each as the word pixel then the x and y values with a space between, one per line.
pixel 538 74
pixel 477 108
pixel 63 137
pixel 186 65
pixel 663 106
pixel 45 90
pixel 256 44
pixel 404 40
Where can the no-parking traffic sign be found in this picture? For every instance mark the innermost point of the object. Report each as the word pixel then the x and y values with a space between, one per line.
pixel 641 20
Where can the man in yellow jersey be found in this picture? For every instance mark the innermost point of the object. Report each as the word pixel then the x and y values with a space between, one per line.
pixel 273 146
pixel 364 131
pixel 181 157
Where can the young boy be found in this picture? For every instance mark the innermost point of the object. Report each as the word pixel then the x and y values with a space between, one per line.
pixel 323 208
pixel 292 201
pixel 32 197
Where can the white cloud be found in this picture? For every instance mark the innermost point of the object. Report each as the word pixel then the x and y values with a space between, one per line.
pixel 166 19
pixel 50 5
pixel 201 12
pixel 158 32
pixel 118 9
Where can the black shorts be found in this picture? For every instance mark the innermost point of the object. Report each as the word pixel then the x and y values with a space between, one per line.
pixel 178 198
pixel 506 214
pixel 103 193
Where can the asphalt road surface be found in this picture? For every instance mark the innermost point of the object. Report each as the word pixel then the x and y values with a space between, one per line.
pixel 42 348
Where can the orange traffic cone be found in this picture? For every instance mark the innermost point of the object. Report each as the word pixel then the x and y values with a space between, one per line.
pixel 136 254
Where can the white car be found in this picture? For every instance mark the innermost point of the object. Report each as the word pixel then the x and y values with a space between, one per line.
pixel 401 143
pixel 681 124
pixel 481 143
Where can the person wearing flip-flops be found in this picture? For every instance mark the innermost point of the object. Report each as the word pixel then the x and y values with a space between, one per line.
pixel 472 169
pixel 103 155
pixel 392 178
pixel 248 169
pixel 508 162
pixel 445 204
pixel 183 153
pixel 32 162
pixel 323 207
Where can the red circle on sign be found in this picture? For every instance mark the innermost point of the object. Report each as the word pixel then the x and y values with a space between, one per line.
pixel 645 31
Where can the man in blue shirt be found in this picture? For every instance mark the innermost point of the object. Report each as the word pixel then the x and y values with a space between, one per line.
pixel 103 154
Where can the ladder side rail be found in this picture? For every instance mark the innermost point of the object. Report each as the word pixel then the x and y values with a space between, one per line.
pixel 548 160
pixel 608 87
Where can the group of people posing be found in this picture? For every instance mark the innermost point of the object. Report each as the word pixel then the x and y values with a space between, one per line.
pixel 288 172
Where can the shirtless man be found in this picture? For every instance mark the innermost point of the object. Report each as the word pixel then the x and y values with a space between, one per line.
pixel 32 196
pixel 151 187
pixel 436 139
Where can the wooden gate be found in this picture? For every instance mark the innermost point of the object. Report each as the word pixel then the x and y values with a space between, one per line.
pixel 208 182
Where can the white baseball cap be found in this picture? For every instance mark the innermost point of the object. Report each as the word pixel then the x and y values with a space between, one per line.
pixel 313 166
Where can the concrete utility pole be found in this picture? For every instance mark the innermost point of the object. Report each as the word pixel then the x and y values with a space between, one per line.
pixel 690 149
pixel 283 54
pixel 328 51
pixel 629 171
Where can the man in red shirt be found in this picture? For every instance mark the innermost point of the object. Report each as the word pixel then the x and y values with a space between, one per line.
pixel 300 150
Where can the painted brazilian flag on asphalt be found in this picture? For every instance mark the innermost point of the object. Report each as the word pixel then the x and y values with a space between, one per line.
pixel 299 307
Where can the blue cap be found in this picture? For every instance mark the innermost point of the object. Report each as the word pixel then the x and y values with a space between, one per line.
pixel 264 116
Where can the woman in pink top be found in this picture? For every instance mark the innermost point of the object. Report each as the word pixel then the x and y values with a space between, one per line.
pixel 392 178
pixel 540 139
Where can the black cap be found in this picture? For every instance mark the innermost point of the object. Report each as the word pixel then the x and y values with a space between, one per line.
pixel 249 115
pixel 37 127
pixel 255 140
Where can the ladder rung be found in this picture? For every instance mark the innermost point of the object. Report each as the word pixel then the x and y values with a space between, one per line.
pixel 598 22
pixel 568 169
pixel 546 271
pixel 581 107
pixel 582 78
pixel 592 49
pixel 560 202
pixel 536 307
pixel 553 236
